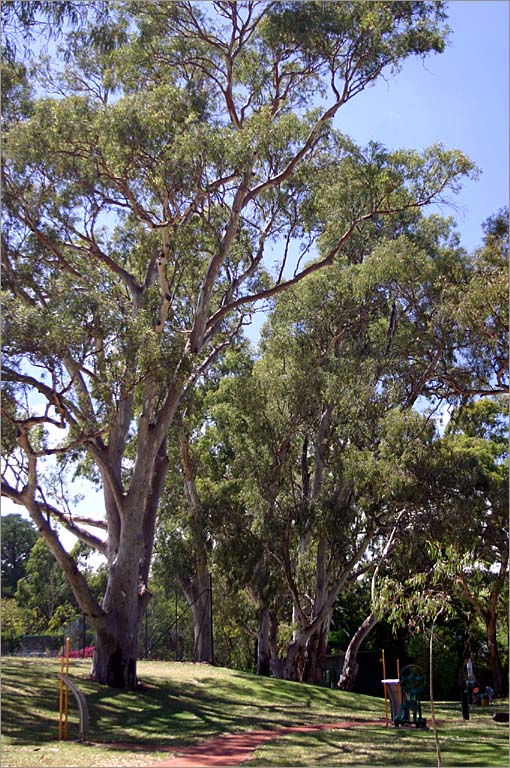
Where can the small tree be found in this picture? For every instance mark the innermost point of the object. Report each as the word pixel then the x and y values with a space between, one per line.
pixel 18 539
pixel 419 603
pixel 45 591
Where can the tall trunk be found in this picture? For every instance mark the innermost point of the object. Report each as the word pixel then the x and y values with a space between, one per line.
pixel 499 681
pixel 350 666
pixel 291 667
pixel 315 654
pixel 127 595
pixel 305 658
pixel 202 617
pixel 267 628
pixel 116 652
pixel 488 615
pixel 276 662
pixel 199 585
pixel 263 645
pixel 316 644
pixel 117 634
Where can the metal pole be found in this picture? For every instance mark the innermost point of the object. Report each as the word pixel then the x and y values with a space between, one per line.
pixel 83 637
pixel 176 625
pixel 211 618
pixel 61 698
pixel 66 697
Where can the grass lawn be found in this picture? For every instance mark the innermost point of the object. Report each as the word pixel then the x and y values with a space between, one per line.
pixel 188 703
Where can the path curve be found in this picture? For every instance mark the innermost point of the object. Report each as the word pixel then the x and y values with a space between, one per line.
pixel 236 748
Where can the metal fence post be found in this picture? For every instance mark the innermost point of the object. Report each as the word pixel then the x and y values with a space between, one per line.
pixel 211 617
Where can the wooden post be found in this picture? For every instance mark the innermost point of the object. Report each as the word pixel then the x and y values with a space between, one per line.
pixel 385 691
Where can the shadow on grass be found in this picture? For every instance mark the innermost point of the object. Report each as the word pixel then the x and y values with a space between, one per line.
pixel 316 697
pixel 165 711
pixel 467 748
pixel 30 704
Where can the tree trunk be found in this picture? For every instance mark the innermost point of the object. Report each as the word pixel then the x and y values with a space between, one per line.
pixel 126 597
pixel 315 654
pixel 116 648
pixel 276 662
pixel 202 618
pixel 115 656
pixel 350 666
pixel 306 655
pixel 292 664
pixel 489 618
pixel 498 677
pixel 263 646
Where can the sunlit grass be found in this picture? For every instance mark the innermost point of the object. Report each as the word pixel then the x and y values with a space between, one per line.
pixel 462 745
pixel 188 703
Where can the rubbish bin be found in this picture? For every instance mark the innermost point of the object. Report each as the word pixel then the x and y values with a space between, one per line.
pixel 395 696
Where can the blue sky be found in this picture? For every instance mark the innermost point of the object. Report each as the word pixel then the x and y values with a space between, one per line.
pixel 460 98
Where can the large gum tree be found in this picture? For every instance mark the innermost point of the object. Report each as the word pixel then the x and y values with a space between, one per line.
pixel 158 163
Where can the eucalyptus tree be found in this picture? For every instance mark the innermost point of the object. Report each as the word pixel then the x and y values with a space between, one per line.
pixel 473 515
pixel 347 464
pixel 476 304
pixel 344 360
pixel 198 498
pixel 151 158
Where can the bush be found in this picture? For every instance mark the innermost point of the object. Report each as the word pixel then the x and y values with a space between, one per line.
pixel 82 653
pixel 10 643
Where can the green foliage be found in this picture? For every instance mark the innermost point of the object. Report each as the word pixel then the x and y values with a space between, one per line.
pixel 15 619
pixel 483 309
pixel 151 160
pixel 322 31
pixel 448 661
pixel 18 539
pixel 44 590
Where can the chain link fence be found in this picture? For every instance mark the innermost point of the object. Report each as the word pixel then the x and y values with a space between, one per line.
pixel 166 632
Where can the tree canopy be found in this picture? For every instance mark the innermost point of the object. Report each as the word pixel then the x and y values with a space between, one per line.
pixel 156 158
pixel 18 539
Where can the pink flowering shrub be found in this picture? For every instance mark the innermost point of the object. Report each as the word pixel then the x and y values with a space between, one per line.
pixel 81 653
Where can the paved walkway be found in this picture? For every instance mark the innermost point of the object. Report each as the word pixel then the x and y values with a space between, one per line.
pixel 236 748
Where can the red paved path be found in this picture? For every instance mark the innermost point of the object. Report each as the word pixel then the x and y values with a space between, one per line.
pixel 236 748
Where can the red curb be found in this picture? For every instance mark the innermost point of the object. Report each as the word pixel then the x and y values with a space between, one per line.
pixel 236 748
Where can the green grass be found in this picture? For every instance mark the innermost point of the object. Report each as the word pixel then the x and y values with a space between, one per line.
pixel 469 744
pixel 188 703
